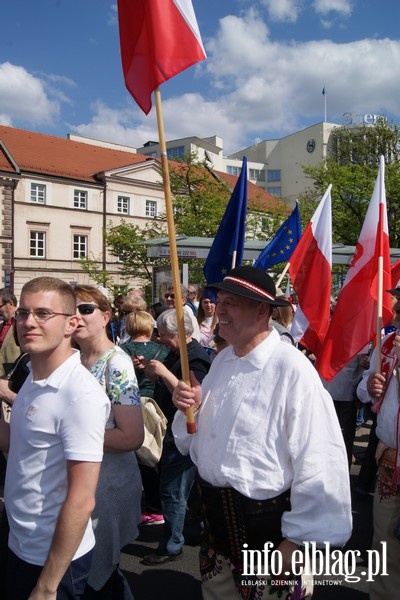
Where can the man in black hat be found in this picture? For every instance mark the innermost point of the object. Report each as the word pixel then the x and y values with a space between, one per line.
pixel 382 389
pixel 268 449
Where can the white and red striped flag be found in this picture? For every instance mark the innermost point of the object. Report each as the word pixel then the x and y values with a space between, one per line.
pixel 354 322
pixel 311 274
pixel 159 39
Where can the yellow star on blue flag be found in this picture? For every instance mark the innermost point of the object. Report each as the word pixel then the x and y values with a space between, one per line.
pixel 281 247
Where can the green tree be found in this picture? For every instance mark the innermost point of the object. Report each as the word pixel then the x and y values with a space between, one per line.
pixel 91 266
pixel 125 241
pixel 200 197
pixel 352 167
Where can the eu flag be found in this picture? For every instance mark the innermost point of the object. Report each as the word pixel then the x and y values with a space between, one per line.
pixel 228 245
pixel 281 246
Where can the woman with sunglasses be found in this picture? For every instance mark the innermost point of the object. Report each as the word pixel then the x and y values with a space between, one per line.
pixel 118 497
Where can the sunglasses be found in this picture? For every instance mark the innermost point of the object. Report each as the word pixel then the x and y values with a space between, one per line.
pixel 86 309
pixel 172 296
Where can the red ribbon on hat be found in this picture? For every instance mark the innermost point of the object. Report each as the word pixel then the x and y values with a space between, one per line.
pixel 249 286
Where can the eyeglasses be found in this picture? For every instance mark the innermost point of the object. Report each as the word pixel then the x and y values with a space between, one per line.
pixel 86 309
pixel 172 296
pixel 40 315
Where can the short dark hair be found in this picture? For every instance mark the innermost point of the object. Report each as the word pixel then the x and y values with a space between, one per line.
pixel 7 296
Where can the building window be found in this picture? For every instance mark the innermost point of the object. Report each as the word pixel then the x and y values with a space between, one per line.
pixel 275 191
pixel 123 205
pixel 80 199
pixel 151 208
pixel 80 246
pixel 256 175
pixel 177 152
pixel 274 175
pixel 38 193
pixel 233 170
pixel 37 244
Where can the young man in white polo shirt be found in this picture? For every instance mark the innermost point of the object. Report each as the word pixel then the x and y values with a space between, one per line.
pixel 55 445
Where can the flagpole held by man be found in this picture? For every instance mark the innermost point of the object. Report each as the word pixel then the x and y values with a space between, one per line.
pixel 159 39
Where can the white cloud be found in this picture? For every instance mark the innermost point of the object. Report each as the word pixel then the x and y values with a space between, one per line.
pixel 283 10
pixel 118 126
pixel 289 11
pixel 251 86
pixel 267 90
pixel 271 87
pixel 341 7
pixel 5 120
pixel 23 96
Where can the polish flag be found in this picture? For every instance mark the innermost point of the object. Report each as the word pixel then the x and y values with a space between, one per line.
pixel 159 39
pixel 355 319
pixel 311 274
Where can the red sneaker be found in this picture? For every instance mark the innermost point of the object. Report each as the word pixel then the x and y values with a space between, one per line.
pixel 152 519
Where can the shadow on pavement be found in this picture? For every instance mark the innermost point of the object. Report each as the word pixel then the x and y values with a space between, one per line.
pixel 164 584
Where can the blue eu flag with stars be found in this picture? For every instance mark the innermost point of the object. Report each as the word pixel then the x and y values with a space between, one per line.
pixel 229 240
pixel 281 247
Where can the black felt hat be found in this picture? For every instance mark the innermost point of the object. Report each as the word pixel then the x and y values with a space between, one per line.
pixel 252 283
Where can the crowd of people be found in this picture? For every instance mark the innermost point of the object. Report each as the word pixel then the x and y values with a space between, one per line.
pixel 269 461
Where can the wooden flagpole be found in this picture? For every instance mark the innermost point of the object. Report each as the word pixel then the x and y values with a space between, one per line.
pixel 191 425
pixel 282 275
pixel 379 315
pixel 379 305
pixel 234 254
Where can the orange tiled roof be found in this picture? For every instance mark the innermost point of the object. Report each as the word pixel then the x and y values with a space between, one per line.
pixel 47 154
pixel 258 198
pixel 50 155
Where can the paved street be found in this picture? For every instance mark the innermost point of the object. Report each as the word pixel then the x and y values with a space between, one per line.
pixel 180 580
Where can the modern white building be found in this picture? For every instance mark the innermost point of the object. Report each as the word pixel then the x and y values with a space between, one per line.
pixel 275 165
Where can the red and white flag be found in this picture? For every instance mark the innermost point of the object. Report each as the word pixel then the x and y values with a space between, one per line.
pixel 311 274
pixel 354 321
pixel 159 39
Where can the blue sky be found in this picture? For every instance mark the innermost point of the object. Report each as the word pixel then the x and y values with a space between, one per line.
pixel 268 61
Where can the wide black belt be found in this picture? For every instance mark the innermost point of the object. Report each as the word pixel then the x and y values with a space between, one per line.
pixel 231 519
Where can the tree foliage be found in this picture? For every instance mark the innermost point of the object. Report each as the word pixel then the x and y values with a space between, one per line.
pixel 199 202
pixel 352 167
pixel 91 266
pixel 125 242
pixel 200 198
